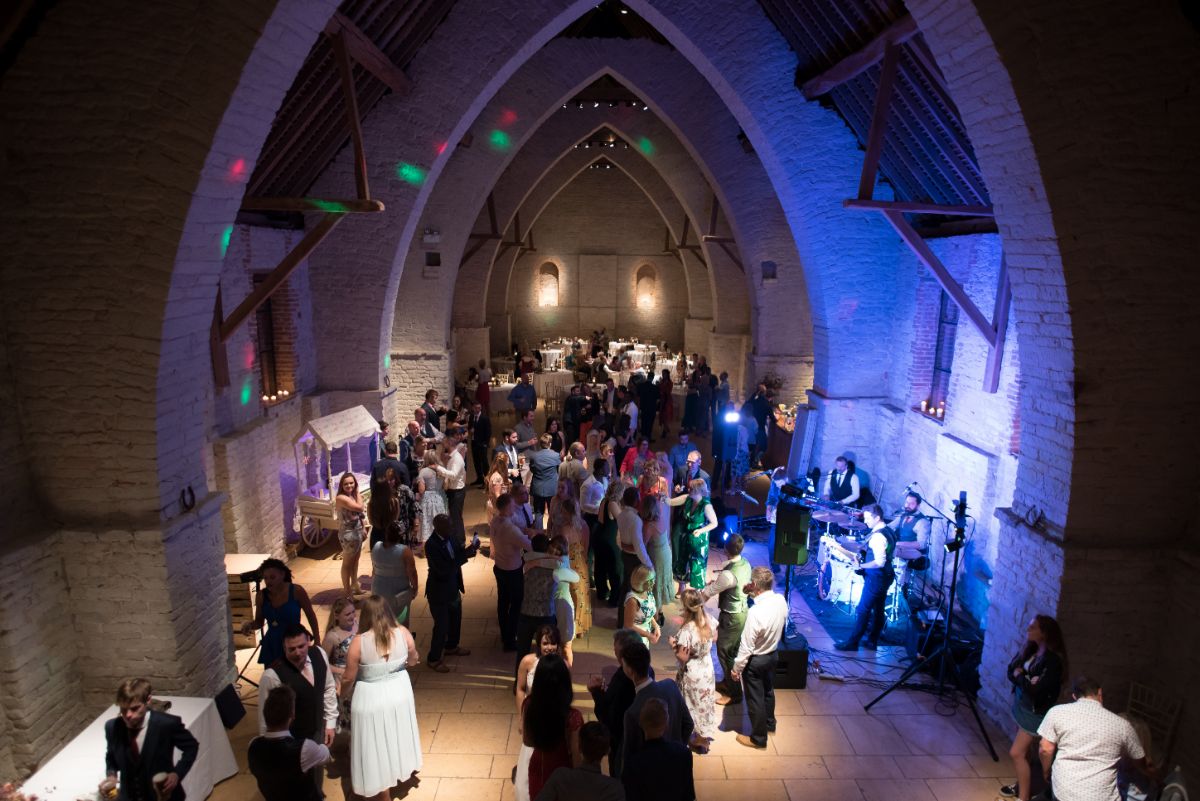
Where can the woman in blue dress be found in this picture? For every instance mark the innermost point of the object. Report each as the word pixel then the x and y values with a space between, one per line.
pixel 279 604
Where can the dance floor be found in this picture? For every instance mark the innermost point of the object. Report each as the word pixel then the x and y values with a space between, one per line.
pixel 910 747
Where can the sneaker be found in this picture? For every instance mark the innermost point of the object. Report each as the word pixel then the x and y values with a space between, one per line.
pixel 846 646
pixel 1009 790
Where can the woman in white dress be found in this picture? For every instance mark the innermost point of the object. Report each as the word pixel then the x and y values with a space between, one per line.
pixel 695 677
pixel 431 494
pixel 385 741
pixel 546 636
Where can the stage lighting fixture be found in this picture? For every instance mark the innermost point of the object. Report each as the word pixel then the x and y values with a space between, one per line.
pixel 732 417
pixel 596 104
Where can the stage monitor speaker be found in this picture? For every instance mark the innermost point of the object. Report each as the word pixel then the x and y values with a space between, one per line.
pixel 791 534
pixel 791 672
pixel 229 706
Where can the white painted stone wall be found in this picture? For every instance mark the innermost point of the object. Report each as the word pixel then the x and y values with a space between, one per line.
pixel 601 212
pixel 411 375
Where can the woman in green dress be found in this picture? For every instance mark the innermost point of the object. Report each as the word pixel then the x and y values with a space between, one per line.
pixel 697 520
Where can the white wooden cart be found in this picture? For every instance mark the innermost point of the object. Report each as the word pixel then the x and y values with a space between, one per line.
pixel 316 446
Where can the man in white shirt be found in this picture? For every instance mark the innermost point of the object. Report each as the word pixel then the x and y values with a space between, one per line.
pixel 877 577
pixel 508 543
pixel 522 514
pixel 280 763
pixel 758 655
pixel 573 466
pixel 456 479
pixel 508 446
pixel 631 409
pixel 842 484
pixel 1082 743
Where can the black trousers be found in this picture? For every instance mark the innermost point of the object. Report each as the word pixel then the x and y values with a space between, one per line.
pixel 629 563
pixel 758 684
pixel 526 626
pixel 870 615
pixel 510 591
pixel 447 626
pixel 479 453
pixel 455 500
pixel 540 505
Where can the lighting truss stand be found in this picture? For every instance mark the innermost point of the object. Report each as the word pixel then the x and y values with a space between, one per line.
pixel 946 652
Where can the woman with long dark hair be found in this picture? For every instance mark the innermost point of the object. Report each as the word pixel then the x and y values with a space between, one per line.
pixel 279 604
pixel 351 512
pixel 1036 673
pixel 550 725
pixel 548 642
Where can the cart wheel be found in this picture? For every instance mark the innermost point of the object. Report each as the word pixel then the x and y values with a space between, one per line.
pixel 824 581
pixel 311 532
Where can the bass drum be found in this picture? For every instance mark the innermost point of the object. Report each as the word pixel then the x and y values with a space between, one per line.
pixel 825 580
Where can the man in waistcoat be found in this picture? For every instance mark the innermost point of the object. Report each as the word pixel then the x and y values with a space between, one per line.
pixel 306 671
pixel 280 762
pixel 141 744
pixel 878 575
pixel 728 586
pixel 911 525
pixel 842 484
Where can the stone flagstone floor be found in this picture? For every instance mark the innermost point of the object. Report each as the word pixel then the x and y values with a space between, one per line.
pixel 910 747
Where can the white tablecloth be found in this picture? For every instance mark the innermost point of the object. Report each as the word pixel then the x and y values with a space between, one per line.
pixel 77 770
pixel 500 401
pixel 551 358
pixel 550 384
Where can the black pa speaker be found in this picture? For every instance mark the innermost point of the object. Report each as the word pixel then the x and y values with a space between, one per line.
pixel 791 534
pixel 791 672
pixel 229 706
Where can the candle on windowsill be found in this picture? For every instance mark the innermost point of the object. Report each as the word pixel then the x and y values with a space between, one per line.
pixel 924 406
pixel 941 412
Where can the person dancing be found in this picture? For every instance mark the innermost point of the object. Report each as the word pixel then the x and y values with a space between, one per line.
pixel 696 678
pixel 697 520
pixel 1036 674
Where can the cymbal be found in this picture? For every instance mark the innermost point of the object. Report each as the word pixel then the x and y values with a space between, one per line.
pixel 849 543
pixel 908 552
pixel 831 516
pixel 855 525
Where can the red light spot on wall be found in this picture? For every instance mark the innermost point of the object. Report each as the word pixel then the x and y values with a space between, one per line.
pixel 237 170
pixel 507 117
pixel 442 148
pixel 248 355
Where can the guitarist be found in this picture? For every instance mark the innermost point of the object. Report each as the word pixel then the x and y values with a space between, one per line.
pixel 877 578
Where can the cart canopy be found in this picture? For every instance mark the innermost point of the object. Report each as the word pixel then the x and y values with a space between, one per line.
pixel 337 429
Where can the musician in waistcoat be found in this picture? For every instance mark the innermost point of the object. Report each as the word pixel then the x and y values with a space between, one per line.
pixel 877 577
pixel 141 744
pixel 910 525
pixel 842 485
pixel 279 761
pixel 306 671
pixel 728 586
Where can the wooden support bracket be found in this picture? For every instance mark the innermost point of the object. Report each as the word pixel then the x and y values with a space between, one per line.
pixel 280 274
pixel 368 54
pixel 355 206
pixel 346 73
pixel 917 207
pixel 861 60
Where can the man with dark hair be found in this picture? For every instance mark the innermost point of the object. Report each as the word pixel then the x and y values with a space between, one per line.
pixel 662 769
pixel 647 397
pixel 537 598
pixel 612 700
pixel 433 412
pixel 729 584
pixel 480 427
pixel 543 475
pixel 842 484
pixel 1082 744
pixel 446 554
pixel 141 745
pixel 635 662
pixel 573 413
pixel 758 656
pixel 280 762
pixel 586 782
pixel 523 396
pixel 678 455
pixel 527 436
pixel 877 577
pixel 375 448
pixel 391 459
pixel 508 543
pixel 306 670
pixel 508 446
pixel 911 525
pixel 456 479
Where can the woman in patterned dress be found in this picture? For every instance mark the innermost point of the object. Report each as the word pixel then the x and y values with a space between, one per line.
pixel 339 631
pixel 565 521
pixel 696 678
pixel 641 612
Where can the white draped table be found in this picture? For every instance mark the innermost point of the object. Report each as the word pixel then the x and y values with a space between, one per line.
pixel 550 384
pixel 77 770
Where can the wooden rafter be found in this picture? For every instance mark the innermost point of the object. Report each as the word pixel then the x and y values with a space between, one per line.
pixel 726 243
pixel 887 82
pixel 916 207
pixel 677 249
pixel 276 277
pixel 346 72
pixel 355 206
pixel 367 53
pixel 860 61
pixel 495 235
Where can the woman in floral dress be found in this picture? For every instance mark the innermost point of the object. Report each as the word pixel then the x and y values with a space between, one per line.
pixel 696 679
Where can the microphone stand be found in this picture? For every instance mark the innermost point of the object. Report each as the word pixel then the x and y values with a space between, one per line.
pixel 944 651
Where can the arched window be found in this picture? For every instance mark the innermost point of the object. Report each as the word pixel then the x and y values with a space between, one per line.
pixel 547 285
pixel 646 287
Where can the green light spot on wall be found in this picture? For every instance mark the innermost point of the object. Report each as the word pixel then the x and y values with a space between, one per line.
pixel 247 392
pixel 226 235
pixel 646 146
pixel 387 360
pixel 500 140
pixel 329 206
pixel 410 173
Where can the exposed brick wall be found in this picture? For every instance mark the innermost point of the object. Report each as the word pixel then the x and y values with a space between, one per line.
pixel 411 376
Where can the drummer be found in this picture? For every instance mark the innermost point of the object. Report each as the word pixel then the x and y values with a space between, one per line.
pixel 910 524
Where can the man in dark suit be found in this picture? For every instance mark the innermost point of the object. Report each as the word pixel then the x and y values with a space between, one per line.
pixel 635 661
pixel 391 458
pixel 647 401
pixel 142 744
pixel 661 770
pixel 444 588
pixel 480 426
pixel 433 412
pixel 612 701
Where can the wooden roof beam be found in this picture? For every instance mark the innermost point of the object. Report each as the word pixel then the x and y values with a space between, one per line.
pixel 918 207
pixel 355 206
pixel 861 60
pixel 364 51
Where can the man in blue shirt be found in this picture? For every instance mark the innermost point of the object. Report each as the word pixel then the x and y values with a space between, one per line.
pixel 678 455
pixel 523 396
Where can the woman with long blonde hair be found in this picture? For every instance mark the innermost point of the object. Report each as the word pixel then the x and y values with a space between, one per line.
pixel 565 521
pixel 656 529
pixel 696 677
pixel 385 744
pixel 498 482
